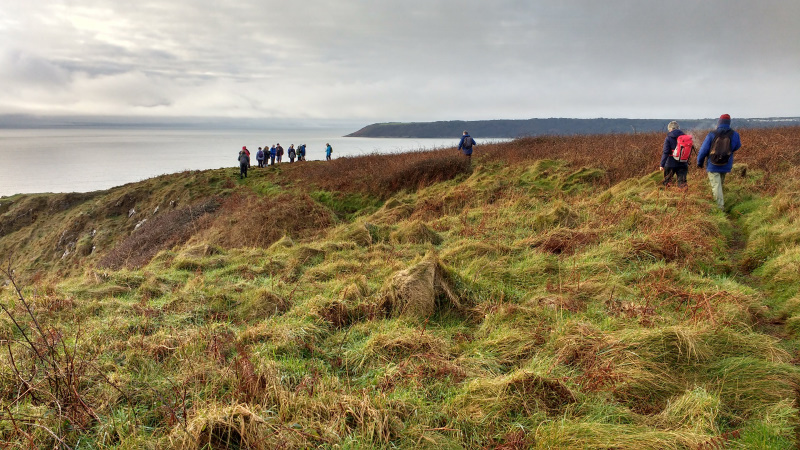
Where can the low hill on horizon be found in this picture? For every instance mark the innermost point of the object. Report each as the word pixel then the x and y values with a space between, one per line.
pixel 551 294
pixel 552 126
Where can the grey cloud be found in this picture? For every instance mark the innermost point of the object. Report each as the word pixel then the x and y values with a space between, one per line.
pixel 415 60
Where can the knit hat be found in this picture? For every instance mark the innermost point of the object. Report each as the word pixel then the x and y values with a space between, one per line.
pixel 673 126
pixel 724 119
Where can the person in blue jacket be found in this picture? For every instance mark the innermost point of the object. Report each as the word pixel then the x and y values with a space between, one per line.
pixel 273 152
pixel 301 153
pixel 328 151
pixel 671 166
pixel 719 142
pixel 465 145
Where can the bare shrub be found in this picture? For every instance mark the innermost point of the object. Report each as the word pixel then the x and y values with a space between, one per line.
pixel 160 233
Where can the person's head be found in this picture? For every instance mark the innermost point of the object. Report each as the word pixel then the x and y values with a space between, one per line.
pixel 465 132
pixel 724 119
pixel 244 148
pixel 673 126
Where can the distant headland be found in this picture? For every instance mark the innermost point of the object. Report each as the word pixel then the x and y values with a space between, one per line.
pixel 553 126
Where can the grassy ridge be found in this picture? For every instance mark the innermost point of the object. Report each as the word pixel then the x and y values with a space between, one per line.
pixel 550 296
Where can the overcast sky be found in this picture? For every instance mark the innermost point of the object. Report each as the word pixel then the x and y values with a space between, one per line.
pixel 410 60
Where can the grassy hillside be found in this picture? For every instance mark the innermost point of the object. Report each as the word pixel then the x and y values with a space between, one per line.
pixel 549 296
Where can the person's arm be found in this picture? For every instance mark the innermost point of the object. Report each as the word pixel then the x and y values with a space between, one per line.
pixel 736 142
pixel 704 149
pixel 665 153
pixel 461 143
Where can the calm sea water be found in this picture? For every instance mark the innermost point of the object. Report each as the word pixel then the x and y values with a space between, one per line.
pixel 82 160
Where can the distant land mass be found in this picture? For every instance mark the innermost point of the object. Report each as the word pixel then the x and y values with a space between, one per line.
pixel 553 126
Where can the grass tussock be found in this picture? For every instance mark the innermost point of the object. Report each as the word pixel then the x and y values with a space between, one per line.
pixel 420 290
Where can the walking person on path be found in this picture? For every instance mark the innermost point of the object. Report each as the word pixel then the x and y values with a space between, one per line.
pixel 465 145
pixel 292 153
pixel 272 154
pixel 718 147
pixel 301 153
pixel 328 152
pixel 244 163
pixel 672 163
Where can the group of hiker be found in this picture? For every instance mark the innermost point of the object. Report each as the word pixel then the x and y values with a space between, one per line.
pixel 268 156
pixel 716 154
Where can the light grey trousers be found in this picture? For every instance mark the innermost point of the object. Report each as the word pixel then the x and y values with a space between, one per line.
pixel 716 180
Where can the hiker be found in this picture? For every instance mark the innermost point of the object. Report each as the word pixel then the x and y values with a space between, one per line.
pixel 244 149
pixel 675 155
pixel 260 157
pixel 328 151
pixel 718 147
pixel 301 153
pixel 292 153
pixel 244 162
pixel 272 153
pixel 465 145
pixel 279 152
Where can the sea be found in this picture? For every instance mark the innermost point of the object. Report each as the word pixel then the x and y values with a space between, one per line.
pixel 90 159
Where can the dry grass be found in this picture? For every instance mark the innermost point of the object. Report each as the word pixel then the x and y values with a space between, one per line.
pixel 246 220
pixel 160 233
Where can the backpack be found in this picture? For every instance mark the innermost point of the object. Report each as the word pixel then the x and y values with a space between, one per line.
pixel 721 148
pixel 468 142
pixel 684 148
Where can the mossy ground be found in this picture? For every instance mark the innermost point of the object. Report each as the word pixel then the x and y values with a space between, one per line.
pixel 551 305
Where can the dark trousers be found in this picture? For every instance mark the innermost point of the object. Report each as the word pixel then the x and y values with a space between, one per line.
pixel 677 172
pixel 243 170
pixel 271 160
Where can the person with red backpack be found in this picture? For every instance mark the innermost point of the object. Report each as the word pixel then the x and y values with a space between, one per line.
pixel 718 148
pixel 675 155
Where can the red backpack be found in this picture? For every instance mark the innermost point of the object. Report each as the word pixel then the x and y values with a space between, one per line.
pixel 684 148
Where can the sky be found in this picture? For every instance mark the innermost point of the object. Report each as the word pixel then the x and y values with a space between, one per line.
pixel 410 60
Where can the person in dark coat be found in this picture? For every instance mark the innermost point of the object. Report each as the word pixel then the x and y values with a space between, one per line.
pixel 279 153
pixel 669 165
pixel 244 149
pixel 244 163
pixel 292 153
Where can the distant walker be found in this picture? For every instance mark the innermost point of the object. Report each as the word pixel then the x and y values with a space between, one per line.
pixel 466 144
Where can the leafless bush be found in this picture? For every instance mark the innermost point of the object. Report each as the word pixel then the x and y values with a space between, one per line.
pixel 162 232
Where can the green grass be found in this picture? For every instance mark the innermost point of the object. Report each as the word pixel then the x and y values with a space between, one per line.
pixel 528 305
